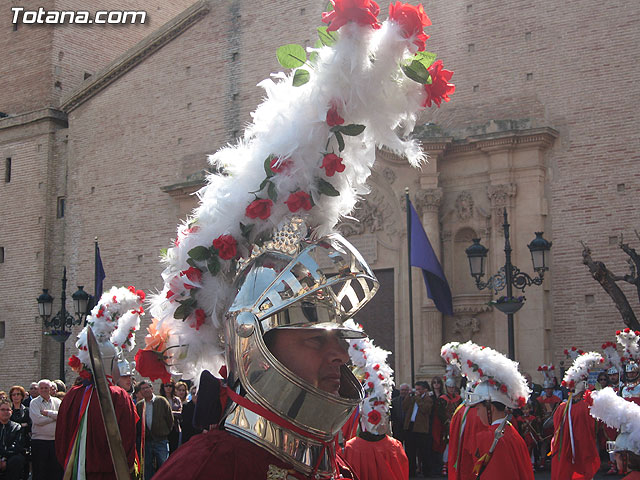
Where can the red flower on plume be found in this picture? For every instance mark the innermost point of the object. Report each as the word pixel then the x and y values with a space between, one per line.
pixel 283 164
pixel 580 352
pixel 480 372
pixel 150 364
pixel 376 367
pixel 563 383
pixel 370 385
pixel 333 117
pixel 539 369
pixel 131 288
pixel 100 313
pixel 363 12
pixel 141 295
pixel 573 348
pixel 374 417
pixel 227 246
pixel 566 352
pixel 522 402
pixel 170 294
pixel 380 376
pixel 298 200
pixel 259 208
pixel 366 375
pixel 200 318
pixel 440 88
pixel 332 164
pixel 115 300
pixel 454 355
pixel 503 388
pixel 637 332
pixel 587 397
pixel 492 381
pixel 412 20
pixel 192 273
pixel 627 330
pixel 74 362
pixel 618 332
pixel 469 363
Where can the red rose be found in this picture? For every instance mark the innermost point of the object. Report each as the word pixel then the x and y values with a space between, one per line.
pixel 74 362
pixel 259 208
pixel 539 369
pixel 227 246
pixel 200 318
pixel 521 402
pixel 376 366
pixel 440 88
pixel 503 388
pixel 332 164
pixel 480 372
pixel 566 352
pixel 618 332
pixel 298 200
pixel 380 376
pixel 170 294
pixel 132 289
pixel 115 300
pixel 573 348
pixel 469 363
pixel 492 381
pixel 141 295
pixel 283 164
pixel 563 383
pixel 412 20
pixel 150 364
pixel 100 313
pixel 333 118
pixel 193 274
pixel 363 12
pixel 366 375
pixel 370 385
pixel 374 417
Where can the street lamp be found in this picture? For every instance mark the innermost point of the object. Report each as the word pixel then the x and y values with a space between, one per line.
pixel 509 275
pixel 61 323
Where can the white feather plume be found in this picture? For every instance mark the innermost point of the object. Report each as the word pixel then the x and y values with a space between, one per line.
pixel 360 76
pixel 611 356
pixel 580 369
pixel 617 413
pixel 630 343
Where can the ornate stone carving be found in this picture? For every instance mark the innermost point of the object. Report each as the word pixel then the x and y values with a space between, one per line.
pixel 428 200
pixel 367 218
pixel 466 327
pixel 500 196
pixel 389 175
pixel 464 206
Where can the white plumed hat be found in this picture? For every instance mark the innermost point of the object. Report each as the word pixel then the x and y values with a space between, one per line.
pixel 617 413
pixel 575 378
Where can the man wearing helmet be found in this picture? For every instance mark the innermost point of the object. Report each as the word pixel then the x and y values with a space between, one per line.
pixel 631 389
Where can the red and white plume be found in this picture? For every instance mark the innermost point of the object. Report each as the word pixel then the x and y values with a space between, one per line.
pixel 548 372
pixel 371 362
pixel 573 353
pixel 308 152
pixel 629 341
pixel 611 356
pixel 579 371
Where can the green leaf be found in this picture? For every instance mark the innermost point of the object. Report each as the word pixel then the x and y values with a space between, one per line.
pixel 245 230
pixel 327 189
pixel 327 38
pixel 417 72
pixel 291 56
pixel 181 312
pixel 425 58
pixel 192 262
pixel 267 168
pixel 271 191
pixel 353 130
pixel 199 253
pixel 340 140
pixel 262 185
pixel 300 77
pixel 213 264
pixel 263 237
pixel 163 252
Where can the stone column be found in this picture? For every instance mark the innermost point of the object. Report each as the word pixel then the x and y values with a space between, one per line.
pixel 428 335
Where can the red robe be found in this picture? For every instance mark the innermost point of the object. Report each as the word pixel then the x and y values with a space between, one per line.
pixel 585 461
pixel 381 460
pixel 98 464
pixel 219 454
pixel 459 447
pixel 510 459
pixel 632 476
pixel 438 428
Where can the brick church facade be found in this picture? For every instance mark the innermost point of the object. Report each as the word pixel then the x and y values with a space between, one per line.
pixel 114 124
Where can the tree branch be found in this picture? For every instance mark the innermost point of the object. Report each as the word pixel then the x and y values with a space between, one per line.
pixel 634 265
pixel 606 279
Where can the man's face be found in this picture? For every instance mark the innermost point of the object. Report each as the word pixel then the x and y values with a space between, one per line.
pixel 314 355
pixel 420 390
pixel 125 383
pixel 147 392
pixel 452 391
pixel 5 412
pixel 632 375
pixel 44 390
pixel 548 392
pixel 614 378
pixel 33 390
pixel 404 390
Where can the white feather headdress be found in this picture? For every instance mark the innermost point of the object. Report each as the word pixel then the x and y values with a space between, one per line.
pixel 617 413
pixel 629 341
pixel 483 364
pixel 548 372
pixel 573 353
pixel 309 150
pixel 115 319
pixel 611 356
pixel 370 362
pixel 579 371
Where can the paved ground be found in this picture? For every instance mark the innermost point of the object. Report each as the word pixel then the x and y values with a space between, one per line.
pixel 546 475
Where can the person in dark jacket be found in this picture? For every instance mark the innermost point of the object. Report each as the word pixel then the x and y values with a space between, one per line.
pixel 12 444
pixel 156 413
pixel 417 412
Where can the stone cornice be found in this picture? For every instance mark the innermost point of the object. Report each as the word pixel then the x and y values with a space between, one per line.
pixel 136 55
pixel 48 113
pixel 193 183
pixel 471 303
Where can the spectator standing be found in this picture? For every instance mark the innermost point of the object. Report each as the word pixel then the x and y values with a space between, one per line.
pixel 188 427
pixel 397 414
pixel 158 420
pixel 20 413
pixel 417 412
pixel 12 444
pixel 43 411
pixel 33 393
pixel 182 392
pixel 167 390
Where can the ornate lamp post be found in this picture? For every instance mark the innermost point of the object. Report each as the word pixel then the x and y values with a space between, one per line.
pixel 61 323
pixel 509 276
